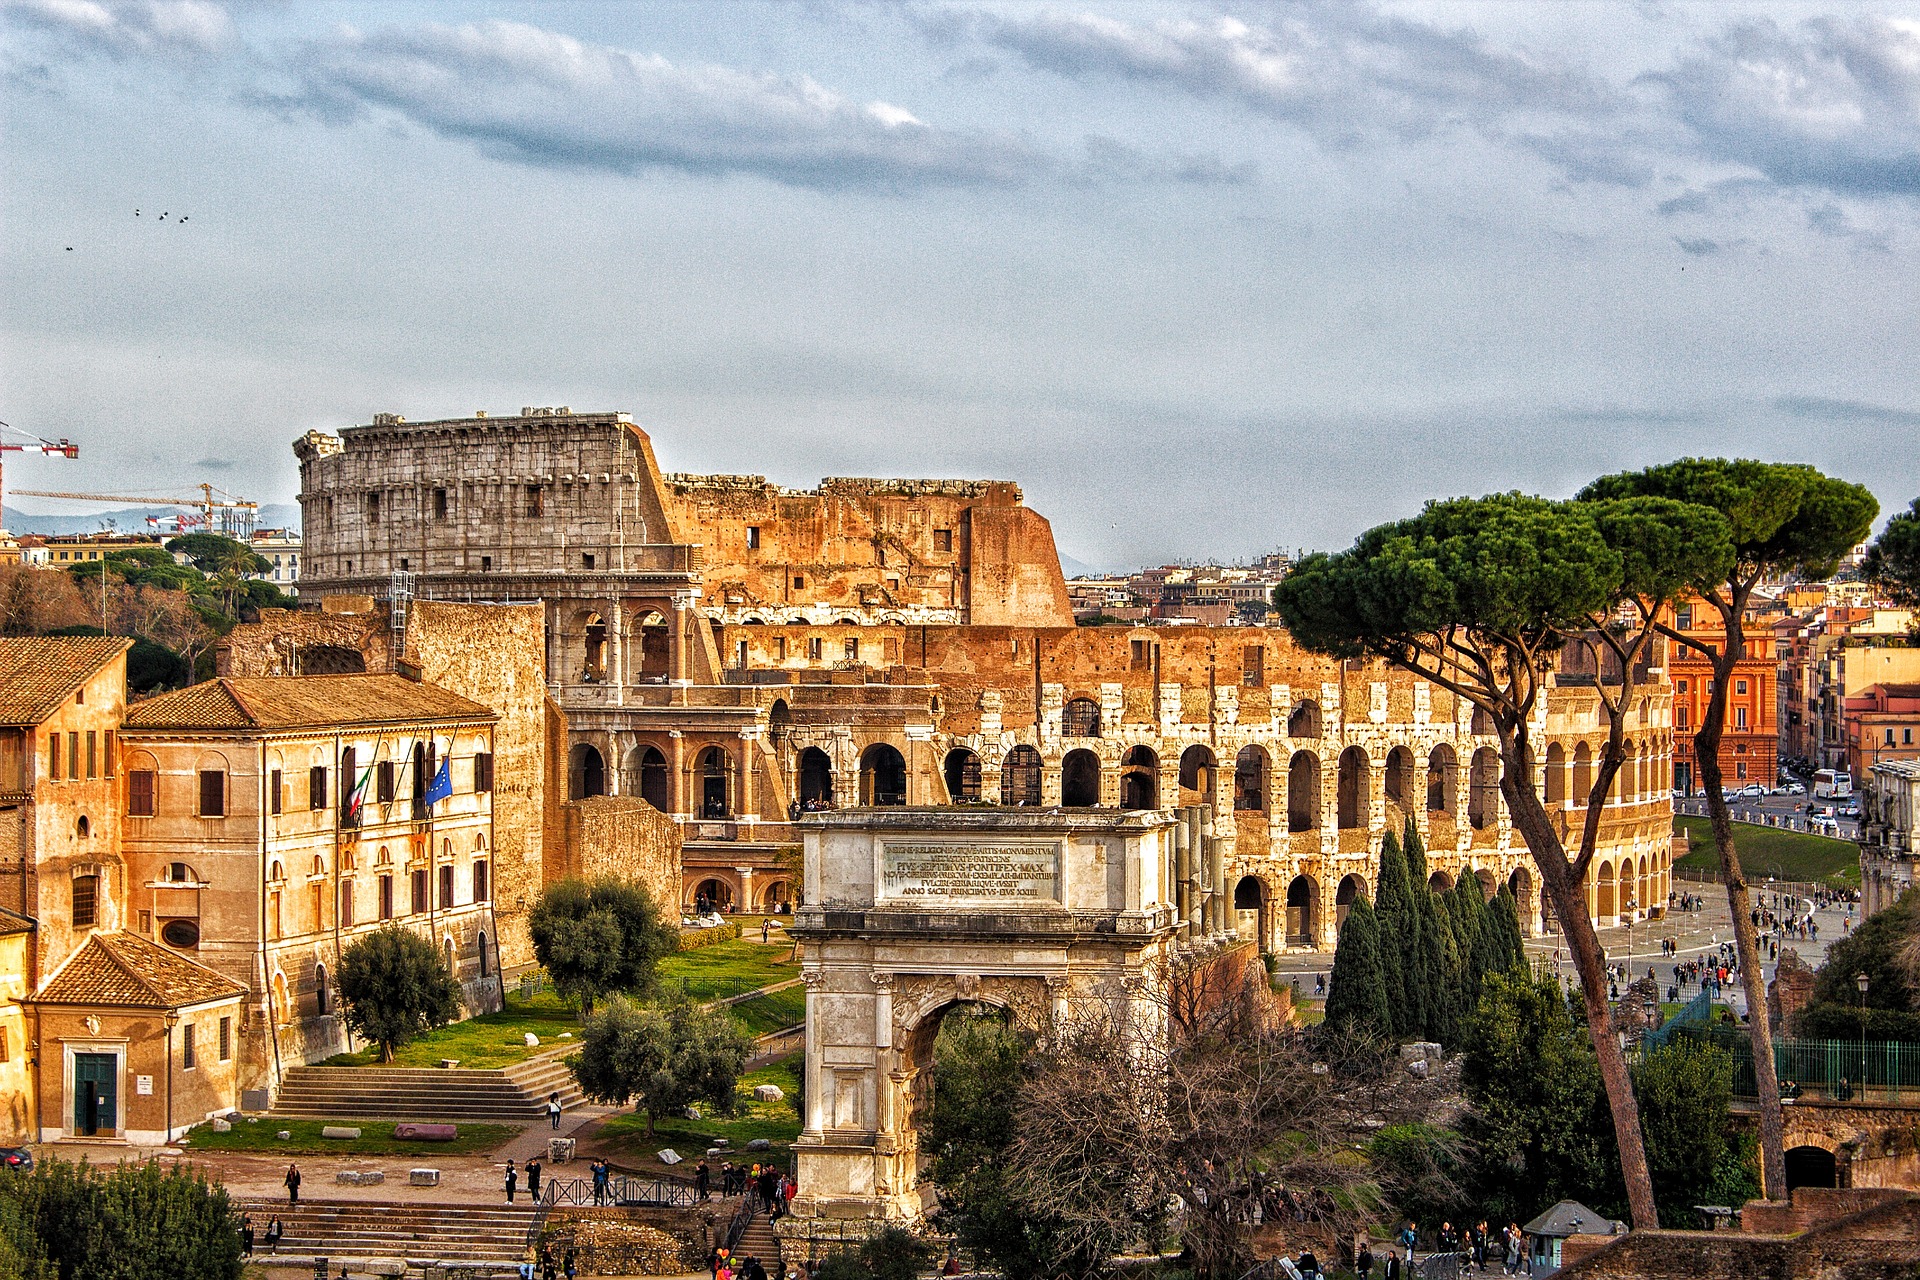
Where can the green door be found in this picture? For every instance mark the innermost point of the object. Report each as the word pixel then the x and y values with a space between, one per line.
pixel 94 1092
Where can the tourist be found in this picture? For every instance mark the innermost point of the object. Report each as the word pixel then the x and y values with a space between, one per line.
pixel 703 1179
pixel 568 1265
pixel 599 1171
pixel 1363 1262
pixel 274 1232
pixel 513 1180
pixel 533 1178
pixel 1308 1264
pixel 766 930
pixel 553 1110
pixel 292 1181
pixel 1514 1247
pixel 246 1236
pixel 1393 1265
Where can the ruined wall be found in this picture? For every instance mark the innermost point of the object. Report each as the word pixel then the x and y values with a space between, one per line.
pixel 495 654
pixel 1877 1243
pixel 1014 574
pixel 346 632
pixel 623 837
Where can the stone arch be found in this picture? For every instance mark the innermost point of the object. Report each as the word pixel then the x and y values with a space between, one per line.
pixel 586 772
pixel 1140 779
pixel 816 778
pixel 330 660
pixel 962 773
pixel 1556 773
pixel 1304 722
pixel 1488 882
pixel 713 783
pixel 1582 786
pixel 321 991
pixel 1303 792
pixel 655 646
pixel 1080 779
pixel 593 649
pixel 1355 790
pixel 1303 911
pixel 779 722
pixel 1350 888
pixel 1250 779
pixel 1198 770
pixel 646 777
pixel 774 895
pixel 716 892
pixel 1606 903
pixel 1080 718
pixel 1251 894
pixel 1020 777
pixel 1442 778
pixel 1483 795
pixel 1399 779
pixel 1520 884
pixel 1440 882
pixel 883 775
pixel 1810 1165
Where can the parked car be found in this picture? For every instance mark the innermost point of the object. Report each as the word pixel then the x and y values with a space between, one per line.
pixel 1793 789
pixel 16 1158
pixel 1752 791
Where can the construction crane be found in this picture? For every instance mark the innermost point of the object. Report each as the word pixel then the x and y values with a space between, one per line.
pixel 30 443
pixel 226 514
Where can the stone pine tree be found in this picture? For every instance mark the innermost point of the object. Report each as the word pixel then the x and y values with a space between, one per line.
pixel 1399 928
pixel 1357 997
pixel 1480 597
pixel 1781 518
pixel 1893 561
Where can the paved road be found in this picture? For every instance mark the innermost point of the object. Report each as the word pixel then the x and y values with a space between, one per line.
pixel 1796 808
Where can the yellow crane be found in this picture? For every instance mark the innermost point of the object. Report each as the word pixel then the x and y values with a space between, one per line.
pixel 226 514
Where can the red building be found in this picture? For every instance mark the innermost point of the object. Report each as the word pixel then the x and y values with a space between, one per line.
pixel 1750 746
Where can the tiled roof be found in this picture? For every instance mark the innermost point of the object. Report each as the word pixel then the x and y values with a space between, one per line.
pixel 14 922
pixel 1570 1218
pixel 126 970
pixel 38 673
pixel 302 702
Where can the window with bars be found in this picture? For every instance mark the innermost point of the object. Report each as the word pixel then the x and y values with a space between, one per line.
pixel 226 1039
pixel 274 783
pixel 1080 718
pixel 188 1058
pixel 86 901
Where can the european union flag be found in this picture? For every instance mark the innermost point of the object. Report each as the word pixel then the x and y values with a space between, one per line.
pixel 441 788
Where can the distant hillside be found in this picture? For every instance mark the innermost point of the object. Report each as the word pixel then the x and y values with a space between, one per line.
pixel 273 515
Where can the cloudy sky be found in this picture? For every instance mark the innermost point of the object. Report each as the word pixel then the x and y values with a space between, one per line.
pixel 1204 280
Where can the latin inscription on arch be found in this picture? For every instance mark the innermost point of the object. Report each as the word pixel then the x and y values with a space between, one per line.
pixel 970 872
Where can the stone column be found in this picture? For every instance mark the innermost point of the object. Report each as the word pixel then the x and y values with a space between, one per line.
pixel 748 804
pixel 746 888
pixel 677 656
pixel 676 772
pixel 616 650
pixel 816 1117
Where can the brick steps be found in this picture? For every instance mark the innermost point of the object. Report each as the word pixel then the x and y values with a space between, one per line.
pixel 408 1093
pixel 341 1229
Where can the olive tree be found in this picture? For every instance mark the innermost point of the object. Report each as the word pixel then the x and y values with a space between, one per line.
pixel 1782 518
pixel 598 937
pixel 395 986
pixel 1481 596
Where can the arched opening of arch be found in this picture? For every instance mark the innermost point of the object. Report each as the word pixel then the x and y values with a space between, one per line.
pixel 1020 777
pixel 1303 792
pixel 1606 905
pixel 883 775
pixel 1140 779
pixel 1080 779
pixel 1197 770
pixel 962 772
pixel 1355 788
pixel 1080 718
pixel 1810 1166
pixel 1442 770
pixel 1303 897
pixel 1556 773
pixel 1250 779
pixel 586 772
pixel 712 894
pixel 1440 882
pixel 593 664
pixel 779 723
pixel 1483 798
pixel 654 647
pixel 1489 886
pixel 647 777
pixel 1349 888
pixel 1250 905
pixel 816 779
pixel 1399 779
pixel 1304 722
pixel 1582 774
pixel 1520 884
pixel 713 772
pixel 954 1038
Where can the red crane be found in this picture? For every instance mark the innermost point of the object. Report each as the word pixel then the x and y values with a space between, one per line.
pixel 30 443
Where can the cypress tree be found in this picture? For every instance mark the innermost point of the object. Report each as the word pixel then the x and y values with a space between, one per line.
pixel 1399 925
pixel 1442 967
pixel 1506 945
pixel 1357 998
pixel 1416 855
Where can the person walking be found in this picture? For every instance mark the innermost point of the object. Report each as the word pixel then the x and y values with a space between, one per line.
pixel 533 1178
pixel 1393 1265
pixel 1409 1237
pixel 703 1179
pixel 246 1236
pixel 274 1232
pixel 568 1264
pixel 553 1110
pixel 1363 1262
pixel 292 1182
pixel 513 1180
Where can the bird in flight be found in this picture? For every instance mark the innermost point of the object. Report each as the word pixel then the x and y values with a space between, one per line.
pixel 136 213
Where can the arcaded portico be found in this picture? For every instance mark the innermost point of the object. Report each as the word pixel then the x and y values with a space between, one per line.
pixel 911 911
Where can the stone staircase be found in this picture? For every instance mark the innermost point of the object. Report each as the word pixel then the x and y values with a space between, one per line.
pixel 516 1095
pixel 758 1241
pixel 367 1230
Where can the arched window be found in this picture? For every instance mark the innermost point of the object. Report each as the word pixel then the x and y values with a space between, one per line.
pixel 1442 770
pixel 1355 788
pixel 1350 887
pixel 1250 779
pixel 586 772
pixel 1582 774
pixel 1483 800
pixel 1020 776
pixel 816 779
pixel 962 772
pixel 1249 894
pixel 483 953
pixel 654 647
pixel 883 775
pixel 713 773
pixel 1080 779
pixel 1556 773
pixel 1303 792
pixel 1139 779
pixel 1303 897
pixel 1197 770
pixel 1304 722
pixel 320 993
pixel 1440 882
pixel 594 656
pixel 1399 779
pixel 647 777
pixel 1080 718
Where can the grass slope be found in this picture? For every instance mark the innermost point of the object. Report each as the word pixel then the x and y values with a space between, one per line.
pixel 624 1137
pixel 729 968
pixel 490 1040
pixel 376 1139
pixel 1767 851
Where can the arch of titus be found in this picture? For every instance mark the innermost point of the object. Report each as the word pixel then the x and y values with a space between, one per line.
pixel 911 911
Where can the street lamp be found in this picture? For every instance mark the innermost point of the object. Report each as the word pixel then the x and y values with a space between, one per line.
pixel 1860 981
pixel 172 1020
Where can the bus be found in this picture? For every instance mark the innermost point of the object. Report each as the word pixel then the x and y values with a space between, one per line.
pixel 1832 784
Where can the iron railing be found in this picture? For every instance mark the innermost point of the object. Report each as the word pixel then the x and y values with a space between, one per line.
pixel 1862 1071
pixel 1698 1012
pixel 620 1190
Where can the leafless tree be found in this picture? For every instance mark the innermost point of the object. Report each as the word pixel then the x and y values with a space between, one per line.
pixel 36 601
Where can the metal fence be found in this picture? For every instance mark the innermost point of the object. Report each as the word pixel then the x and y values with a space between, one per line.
pixel 1837 1070
pixel 619 1190
pixel 1697 1013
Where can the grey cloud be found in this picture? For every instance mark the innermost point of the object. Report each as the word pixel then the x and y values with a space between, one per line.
pixel 1587 157
pixel 1698 246
pixel 1823 409
pixel 1829 104
pixel 1344 73
pixel 122 28
pixel 530 96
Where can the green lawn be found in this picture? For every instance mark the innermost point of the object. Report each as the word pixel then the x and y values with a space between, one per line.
pixel 775 1011
pixel 1768 851
pixel 490 1040
pixel 729 968
pixel 376 1139
pixel 625 1136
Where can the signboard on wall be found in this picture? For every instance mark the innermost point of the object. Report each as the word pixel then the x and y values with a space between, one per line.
pixel 1000 872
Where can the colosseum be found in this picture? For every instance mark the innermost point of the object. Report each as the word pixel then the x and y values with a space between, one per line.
pixel 736 653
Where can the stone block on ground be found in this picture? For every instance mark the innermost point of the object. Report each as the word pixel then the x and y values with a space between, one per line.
pixel 423 1177
pixel 768 1092
pixel 668 1156
pixel 426 1132
pixel 533 1041
pixel 560 1150
pixel 284 1135
pixel 359 1177
pixel 222 1125
pixel 345 1131
pixel 449 1063
pixel 760 1144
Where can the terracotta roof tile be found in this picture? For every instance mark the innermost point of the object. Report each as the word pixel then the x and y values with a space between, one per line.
pixel 302 702
pixel 38 673
pixel 13 922
pixel 128 971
